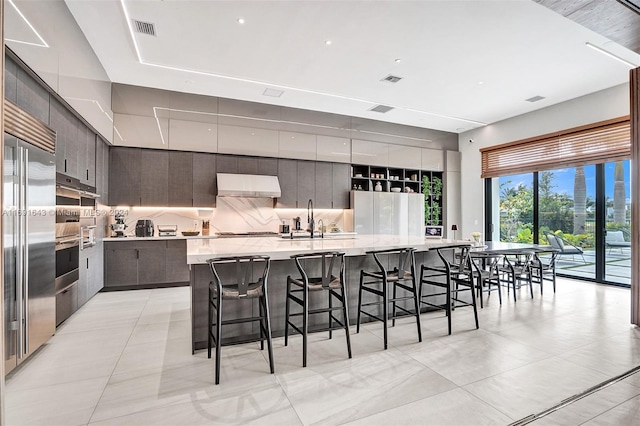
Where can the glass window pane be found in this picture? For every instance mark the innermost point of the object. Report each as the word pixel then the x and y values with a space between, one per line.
pixel 516 208
pixel 617 177
pixel 566 209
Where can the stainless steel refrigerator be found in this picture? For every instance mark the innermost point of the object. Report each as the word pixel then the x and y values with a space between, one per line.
pixel 29 198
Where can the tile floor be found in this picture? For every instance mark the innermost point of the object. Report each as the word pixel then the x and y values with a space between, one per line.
pixel 125 358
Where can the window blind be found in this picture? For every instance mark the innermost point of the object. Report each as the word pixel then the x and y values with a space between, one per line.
pixel 593 144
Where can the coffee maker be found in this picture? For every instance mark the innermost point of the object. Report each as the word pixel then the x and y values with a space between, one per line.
pixel 144 228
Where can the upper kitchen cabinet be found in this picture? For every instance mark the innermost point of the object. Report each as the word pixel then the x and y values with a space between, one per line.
pixel 331 186
pixel 86 156
pixel 32 97
pixel 195 136
pixel 67 127
pixel 247 141
pixel 432 159
pixel 180 193
pixel 140 131
pixel 124 176
pixel 204 179
pixel 330 148
pixel 10 80
pixel 301 146
pixel 268 166
pixel 102 170
pixel 371 153
pixel 306 183
pixel 154 178
pixel 288 175
pixel 406 157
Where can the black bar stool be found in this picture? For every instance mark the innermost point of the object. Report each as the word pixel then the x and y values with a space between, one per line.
pixel 244 287
pixel 377 283
pixel 455 276
pixel 331 280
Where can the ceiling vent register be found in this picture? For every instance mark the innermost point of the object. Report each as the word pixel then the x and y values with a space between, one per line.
pixel 535 99
pixel 145 27
pixel 381 108
pixel 392 79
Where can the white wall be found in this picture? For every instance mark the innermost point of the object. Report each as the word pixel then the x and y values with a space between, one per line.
pixel 599 106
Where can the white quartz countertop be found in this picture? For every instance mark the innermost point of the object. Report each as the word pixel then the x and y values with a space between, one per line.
pixel 200 250
pixel 156 238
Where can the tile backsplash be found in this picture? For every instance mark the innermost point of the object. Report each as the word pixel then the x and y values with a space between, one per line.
pixel 233 214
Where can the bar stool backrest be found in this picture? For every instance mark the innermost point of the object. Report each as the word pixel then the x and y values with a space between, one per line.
pixel 406 261
pixel 332 266
pixel 459 262
pixel 246 267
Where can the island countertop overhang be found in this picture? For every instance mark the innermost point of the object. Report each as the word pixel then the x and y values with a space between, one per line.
pixel 200 250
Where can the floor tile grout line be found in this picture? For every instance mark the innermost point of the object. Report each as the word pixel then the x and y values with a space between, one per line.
pixel 119 358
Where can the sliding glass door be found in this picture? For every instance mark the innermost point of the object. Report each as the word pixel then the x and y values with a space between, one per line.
pixel 586 207
pixel 617 245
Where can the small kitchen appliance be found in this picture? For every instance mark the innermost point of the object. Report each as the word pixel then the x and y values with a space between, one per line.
pixel 118 227
pixel 167 230
pixel 144 228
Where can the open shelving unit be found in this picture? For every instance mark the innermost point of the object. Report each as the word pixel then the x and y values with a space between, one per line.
pixel 366 178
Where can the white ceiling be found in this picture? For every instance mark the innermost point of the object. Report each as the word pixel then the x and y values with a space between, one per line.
pixel 463 63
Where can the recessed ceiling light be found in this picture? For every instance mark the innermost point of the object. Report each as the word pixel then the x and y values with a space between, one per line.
pixel 398 60
pixel 327 42
pixel 481 83
pixel 240 20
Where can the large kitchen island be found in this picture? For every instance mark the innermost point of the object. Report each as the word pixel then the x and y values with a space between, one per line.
pixel 280 250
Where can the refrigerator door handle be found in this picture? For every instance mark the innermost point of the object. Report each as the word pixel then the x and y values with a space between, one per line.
pixel 26 251
pixel 20 254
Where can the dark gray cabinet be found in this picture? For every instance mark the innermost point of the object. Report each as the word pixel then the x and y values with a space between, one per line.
pixel 10 80
pixel 306 182
pixel 288 175
pixel 124 176
pixel 120 264
pixel 87 156
pixel 227 163
pixel 90 274
pixel 180 179
pixel 66 126
pixel 341 185
pixel 268 166
pixel 145 263
pixel 154 177
pixel 323 186
pixel 247 165
pixel 176 259
pixel 204 179
pixel 102 170
pixel 32 97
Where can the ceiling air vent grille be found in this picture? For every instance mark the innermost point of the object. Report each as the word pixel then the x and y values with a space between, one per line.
pixel 381 108
pixel 392 79
pixel 535 99
pixel 145 27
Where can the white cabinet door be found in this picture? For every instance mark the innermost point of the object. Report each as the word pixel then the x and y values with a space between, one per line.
pixel 416 215
pixel 453 161
pixel 406 157
pixel 371 153
pixel 139 131
pixel 337 150
pixel 432 159
pixel 362 205
pixel 390 213
pixel 247 141
pixel 301 146
pixel 193 136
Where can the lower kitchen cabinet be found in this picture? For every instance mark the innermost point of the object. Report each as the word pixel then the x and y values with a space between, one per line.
pixel 145 263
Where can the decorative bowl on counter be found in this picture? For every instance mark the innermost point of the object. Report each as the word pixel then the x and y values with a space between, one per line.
pixel 190 233
pixel 395 189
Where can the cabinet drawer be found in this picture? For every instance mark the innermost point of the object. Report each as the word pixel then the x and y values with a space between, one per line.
pixel 66 303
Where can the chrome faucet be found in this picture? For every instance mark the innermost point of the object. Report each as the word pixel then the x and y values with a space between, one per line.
pixel 320 221
pixel 310 220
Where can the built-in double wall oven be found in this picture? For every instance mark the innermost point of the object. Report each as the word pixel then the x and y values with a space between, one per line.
pixel 75 231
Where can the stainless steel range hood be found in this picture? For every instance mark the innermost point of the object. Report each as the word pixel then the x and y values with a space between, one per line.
pixel 254 186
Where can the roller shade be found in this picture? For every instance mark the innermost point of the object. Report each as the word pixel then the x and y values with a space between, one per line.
pixel 597 143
